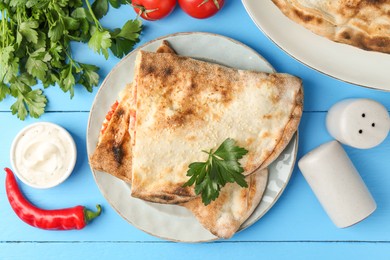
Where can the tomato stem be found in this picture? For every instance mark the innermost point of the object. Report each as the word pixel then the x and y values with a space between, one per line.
pixel 216 4
pixel 214 1
pixel 143 10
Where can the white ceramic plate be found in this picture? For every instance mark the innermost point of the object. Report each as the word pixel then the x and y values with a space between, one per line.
pixel 341 61
pixel 170 221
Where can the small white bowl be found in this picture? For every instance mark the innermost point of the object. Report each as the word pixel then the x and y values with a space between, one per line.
pixel 43 155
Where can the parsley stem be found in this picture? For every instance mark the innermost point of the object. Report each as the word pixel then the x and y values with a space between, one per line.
pixel 3 21
pixel 97 23
pixel 74 38
pixel 72 62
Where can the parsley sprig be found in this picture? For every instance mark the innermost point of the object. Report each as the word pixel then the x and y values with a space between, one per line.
pixel 35 37
pixel 221 167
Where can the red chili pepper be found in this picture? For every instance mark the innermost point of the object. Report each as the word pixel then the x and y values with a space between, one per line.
pixel 59 219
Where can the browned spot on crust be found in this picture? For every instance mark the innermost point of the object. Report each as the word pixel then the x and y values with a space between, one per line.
pixel 275 99
pixel 267 116
pixel 226 95
pixel 164 197
pixel 181 118
pixel 346 35
pixel 191 138
pixel 266 134
pixel 373 2
pixel 120 112
pixel 250 141
pixel 277 80
pixel 168 71
pixel 184 191
pixel 381 42
pixel 118 153
pixel 148 69
pixel 304 17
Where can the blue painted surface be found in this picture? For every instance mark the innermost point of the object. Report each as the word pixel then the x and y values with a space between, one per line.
pixel 295 227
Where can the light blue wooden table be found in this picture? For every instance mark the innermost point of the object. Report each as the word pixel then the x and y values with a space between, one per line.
pixel 295 228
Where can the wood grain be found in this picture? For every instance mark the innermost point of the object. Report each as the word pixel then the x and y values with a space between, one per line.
pixel 295 228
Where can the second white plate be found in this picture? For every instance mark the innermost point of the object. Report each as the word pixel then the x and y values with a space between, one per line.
pixel 341 61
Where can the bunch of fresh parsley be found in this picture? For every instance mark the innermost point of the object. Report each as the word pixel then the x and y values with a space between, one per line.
pixel 221 167
pixel 35 38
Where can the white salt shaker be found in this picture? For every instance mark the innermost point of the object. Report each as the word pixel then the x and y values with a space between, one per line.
pixel 337 184
pixel 359 122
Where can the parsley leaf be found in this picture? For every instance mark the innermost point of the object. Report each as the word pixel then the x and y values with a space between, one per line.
pixel 100 8
pixel 131 30
pixel 100 42
pixel 68 80
pixel 79 13
pixel 120 47
pixel 8 64
pixel 36 63
pixel 33 100
pixel 89 78
pixel 117 3
pixel 4 91
pixel 123 40
pixel 71 23
pixel 221 167
pixel 19 108
pixel 26 29
pixel 56 31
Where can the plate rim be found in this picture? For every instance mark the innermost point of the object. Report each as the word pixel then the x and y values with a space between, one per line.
pixel 109 200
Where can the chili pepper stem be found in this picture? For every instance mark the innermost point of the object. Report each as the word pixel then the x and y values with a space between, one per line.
pixel 90 215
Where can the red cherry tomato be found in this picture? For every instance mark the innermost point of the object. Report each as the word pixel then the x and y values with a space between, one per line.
pixel 201 8
pixel 153 9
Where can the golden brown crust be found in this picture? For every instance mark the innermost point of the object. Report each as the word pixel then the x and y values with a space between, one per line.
pixel 361 23
pixel 169 193
pixel 165 47
pixel 224 216
pixel 185 106
pixel 288 132
pixel 157 75
pixel 113 153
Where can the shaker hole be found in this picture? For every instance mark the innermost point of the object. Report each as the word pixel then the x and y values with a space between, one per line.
pixel 363 115
pixel 360 131
pixel 373 124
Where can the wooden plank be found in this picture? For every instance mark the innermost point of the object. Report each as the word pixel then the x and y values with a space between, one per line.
pixel 225 250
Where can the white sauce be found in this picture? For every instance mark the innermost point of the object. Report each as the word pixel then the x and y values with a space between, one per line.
pixel 43 155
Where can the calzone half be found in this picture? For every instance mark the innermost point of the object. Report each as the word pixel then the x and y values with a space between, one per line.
pixel 113 153
pixel 184 106
pixel 224 216
pixel 362 23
